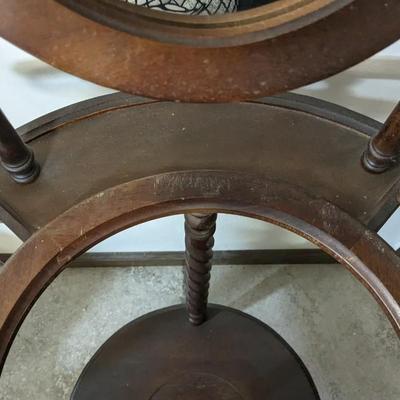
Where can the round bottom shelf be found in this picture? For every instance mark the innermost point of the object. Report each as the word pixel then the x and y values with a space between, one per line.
pixel 160 356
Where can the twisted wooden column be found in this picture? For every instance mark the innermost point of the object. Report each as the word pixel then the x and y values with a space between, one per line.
pixel 199 241
pixel 16 157
pixel 384 149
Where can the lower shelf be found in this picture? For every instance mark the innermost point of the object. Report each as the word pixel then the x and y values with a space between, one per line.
pixel 161 356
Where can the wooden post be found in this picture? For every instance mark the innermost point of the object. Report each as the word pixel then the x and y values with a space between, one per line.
pixel 16 157
pixel 199 241
pixel 384 149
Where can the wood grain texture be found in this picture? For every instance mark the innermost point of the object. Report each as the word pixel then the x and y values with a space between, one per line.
pixel 48 252
pixel 253 136
pixel 188 73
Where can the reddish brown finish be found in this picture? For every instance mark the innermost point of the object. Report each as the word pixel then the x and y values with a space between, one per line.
pixel 199 241
pixel 117 194
pixel 384 149
pixel 160 356
pixel 257 60
pixel 47 253
pixel 251 137
pixel 115 59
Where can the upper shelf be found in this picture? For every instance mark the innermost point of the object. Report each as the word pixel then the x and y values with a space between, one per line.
pixel 262 51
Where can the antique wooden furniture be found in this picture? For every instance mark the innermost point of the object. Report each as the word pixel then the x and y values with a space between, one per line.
pixel 248 158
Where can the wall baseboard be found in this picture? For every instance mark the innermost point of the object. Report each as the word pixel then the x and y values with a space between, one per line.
pixel 176 258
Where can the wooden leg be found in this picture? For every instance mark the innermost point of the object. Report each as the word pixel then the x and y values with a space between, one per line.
pixel 383 149
pixel 199 241
pixel 16 157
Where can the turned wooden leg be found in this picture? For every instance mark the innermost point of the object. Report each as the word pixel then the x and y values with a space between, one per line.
pixel 199 241
pixel 16 157
pixel 384 149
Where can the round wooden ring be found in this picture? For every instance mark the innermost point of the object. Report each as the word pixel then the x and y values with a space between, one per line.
pixel 48 252
pixel 238 70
